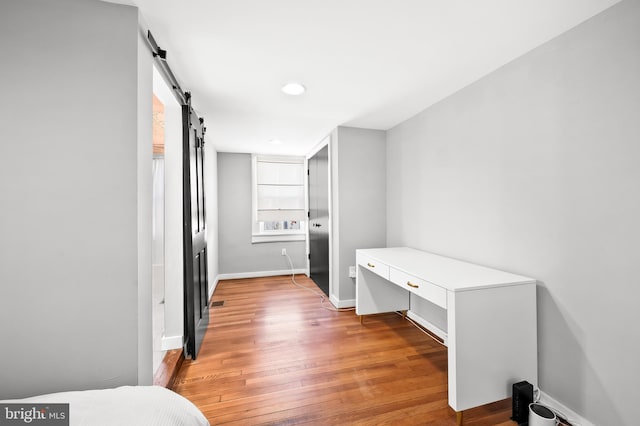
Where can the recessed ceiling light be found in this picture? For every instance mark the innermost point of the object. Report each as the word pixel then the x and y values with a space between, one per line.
pixel 293 89
pixel 275 141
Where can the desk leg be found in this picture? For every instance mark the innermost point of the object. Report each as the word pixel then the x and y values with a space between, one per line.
pixel 458 418
pixel 361 319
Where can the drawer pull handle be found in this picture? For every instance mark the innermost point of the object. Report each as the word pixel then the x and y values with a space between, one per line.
pixel 370 265
pixel 410 284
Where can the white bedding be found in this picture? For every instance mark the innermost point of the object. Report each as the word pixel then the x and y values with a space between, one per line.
pixel 126 405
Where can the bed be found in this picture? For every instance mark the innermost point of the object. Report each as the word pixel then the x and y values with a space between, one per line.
pixel 125 405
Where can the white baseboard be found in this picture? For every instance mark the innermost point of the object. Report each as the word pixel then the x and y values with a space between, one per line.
pixel 212 288
pixel 171 342
pixel 258 274
pixel 563 410
pixel 348 303
pixel 429 326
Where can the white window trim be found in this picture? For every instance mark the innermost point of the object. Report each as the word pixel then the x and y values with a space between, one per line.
pixel 256 239
pixel 259 235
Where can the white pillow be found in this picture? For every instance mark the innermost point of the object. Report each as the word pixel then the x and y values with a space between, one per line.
pixel 126 405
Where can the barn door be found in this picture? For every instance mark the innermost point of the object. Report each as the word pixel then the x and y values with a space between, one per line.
pixel 196 293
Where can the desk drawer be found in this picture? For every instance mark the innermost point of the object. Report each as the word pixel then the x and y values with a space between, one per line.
pixel 374 266
pixel 419 287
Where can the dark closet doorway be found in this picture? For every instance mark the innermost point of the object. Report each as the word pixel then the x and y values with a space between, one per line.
pixel 319 219
pixel 193 218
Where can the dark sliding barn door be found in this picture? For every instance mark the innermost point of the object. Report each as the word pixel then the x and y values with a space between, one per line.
pixel 196 292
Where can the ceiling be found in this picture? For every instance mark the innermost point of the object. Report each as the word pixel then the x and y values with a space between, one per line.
pixel 365 63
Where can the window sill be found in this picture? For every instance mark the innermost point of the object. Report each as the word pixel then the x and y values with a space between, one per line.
pixel 272 238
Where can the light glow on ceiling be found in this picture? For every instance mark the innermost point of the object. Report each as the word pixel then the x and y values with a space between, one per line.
pixel 293 89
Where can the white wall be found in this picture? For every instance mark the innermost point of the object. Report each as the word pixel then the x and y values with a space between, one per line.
pixel 358 191
pixel 211 204
pixel 534 170
pixel 144 206
pixel 74 269
pixel 237 255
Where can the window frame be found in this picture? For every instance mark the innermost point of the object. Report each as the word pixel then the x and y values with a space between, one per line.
pixel 258 233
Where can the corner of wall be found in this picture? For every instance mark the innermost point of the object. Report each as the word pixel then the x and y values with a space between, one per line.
pixel 145 155
pixel 334 214
pixel 211 197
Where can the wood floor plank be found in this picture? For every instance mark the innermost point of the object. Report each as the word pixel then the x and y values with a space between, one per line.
pixel 273 355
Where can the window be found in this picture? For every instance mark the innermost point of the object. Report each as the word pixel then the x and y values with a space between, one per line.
pixel 279 212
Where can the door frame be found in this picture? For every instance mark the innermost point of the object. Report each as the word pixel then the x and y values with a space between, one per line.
pixel 173 333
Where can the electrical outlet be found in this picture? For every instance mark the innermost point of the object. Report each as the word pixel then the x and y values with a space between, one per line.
pixel 284 252
pixel 352 271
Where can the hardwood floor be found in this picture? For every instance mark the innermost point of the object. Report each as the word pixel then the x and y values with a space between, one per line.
pixel 273 355
pixel 169 368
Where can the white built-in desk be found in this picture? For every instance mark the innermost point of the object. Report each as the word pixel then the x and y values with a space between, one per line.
pixel 490 317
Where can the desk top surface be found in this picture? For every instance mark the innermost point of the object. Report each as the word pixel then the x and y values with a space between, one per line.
pixel 452 274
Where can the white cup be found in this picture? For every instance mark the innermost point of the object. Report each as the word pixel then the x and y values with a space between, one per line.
pixel 539 415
